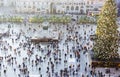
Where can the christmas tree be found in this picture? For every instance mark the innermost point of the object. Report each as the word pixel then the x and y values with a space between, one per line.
pixel 106 44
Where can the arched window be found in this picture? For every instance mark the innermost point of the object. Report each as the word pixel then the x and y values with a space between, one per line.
pixel 77 8
pixel 82 11
pixel 72 8
pixel 87 2
pixel 95 9
pixel 67 7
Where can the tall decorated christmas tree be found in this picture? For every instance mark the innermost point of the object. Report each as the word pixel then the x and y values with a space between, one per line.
pixel 106 44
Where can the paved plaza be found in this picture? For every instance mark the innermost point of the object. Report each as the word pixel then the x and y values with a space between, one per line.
pixel 19 57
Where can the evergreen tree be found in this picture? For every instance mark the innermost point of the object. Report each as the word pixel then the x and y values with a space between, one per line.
pixel 106 44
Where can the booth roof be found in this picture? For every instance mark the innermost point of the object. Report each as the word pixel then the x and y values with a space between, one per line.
pixel 46 34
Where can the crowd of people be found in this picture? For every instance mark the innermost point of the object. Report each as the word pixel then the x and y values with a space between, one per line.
pixel 19 57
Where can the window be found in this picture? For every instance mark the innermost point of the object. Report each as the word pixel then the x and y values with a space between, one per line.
pixel 81 6
pixel 87 6
pixel 72 8
pixel 77 8
pixel 81 11
pixel 92 2
pixel 58 11
pixel 87 2
pixel 67 7
pixel 95 9
pixel 38 9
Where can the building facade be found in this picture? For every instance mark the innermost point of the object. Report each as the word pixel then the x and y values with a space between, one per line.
pixel 32 6
pixel 58 6
pixel 94 6
pixel 7 3
pixel 1 3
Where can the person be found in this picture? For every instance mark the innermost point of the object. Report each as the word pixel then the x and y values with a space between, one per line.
pixel 40 75
pixel 19 75
pixel 14 69
pixel 82 75
pixel 39 69
pixel 4 71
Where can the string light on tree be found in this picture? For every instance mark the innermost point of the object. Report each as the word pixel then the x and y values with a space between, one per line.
pixel 107 35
